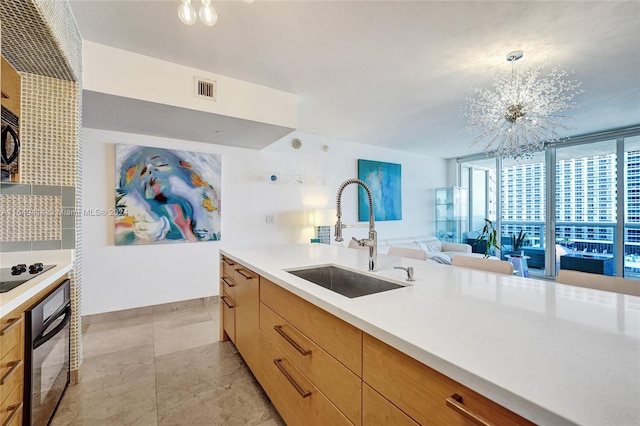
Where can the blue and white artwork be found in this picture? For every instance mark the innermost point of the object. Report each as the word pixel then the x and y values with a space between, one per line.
pixel 165 196
pixel 385 182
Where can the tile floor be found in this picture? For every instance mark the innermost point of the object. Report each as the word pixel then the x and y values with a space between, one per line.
pixel 164 368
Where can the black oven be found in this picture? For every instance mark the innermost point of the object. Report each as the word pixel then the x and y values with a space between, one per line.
pixel 46 355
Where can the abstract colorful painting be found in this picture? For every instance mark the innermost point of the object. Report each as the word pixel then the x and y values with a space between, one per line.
pixel 385 182
pixel 166 196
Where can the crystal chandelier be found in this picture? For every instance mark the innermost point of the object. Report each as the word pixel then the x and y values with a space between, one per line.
pixel 207 13
pixel 522 111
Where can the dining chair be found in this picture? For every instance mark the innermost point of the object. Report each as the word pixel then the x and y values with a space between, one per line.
pixel 490 265
pixel 599 282
pixel 407 252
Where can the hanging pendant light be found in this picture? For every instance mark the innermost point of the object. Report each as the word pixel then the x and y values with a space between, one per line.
pixel 522 111
pixel 208 14
pixel 187 13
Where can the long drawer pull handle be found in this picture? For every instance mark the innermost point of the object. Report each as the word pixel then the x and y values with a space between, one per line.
pixel 15 410
pixel 15 365
pixel 303 393
pixel 455 402
pixel 244 274
pixel 296 346
pixel 227 261
pixel 228 283
pixel 224 299
pixel 13 323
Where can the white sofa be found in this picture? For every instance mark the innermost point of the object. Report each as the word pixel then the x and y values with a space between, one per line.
pixel 440 251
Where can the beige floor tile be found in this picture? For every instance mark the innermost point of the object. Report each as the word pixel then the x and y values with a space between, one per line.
pixel 132 403
pixel 190 336
pixel 166 368
pixel 195 369
pixel 115 368
pixel 214 310
pixel 230 400
pixel 274 421
pixel 115 336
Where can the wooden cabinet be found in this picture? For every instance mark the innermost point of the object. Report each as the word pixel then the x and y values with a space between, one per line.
pixel 227 302
pixel 424 394
pixel 10 88
pixel 340 339
pixel 334 380
pixel 11 368
pixel 377 410
pixel 240 310
pixel 297 399
pixel 318 369
pixel 247 316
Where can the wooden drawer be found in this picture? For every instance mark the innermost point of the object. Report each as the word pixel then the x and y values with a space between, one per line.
pixel 424 394
pixel 11 371
pixel 292 393
pixel 377 410
pixel 228 287
pixel 228 316
pixel 343 341
pixel 337 382
pixel 10 333
pixel 243 275
pixel 227 267
pixel 11 408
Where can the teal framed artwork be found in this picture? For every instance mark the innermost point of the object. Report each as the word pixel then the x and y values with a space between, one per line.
pixel 385 182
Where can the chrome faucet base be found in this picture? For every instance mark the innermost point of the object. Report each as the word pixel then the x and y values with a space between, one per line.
pixel 409 272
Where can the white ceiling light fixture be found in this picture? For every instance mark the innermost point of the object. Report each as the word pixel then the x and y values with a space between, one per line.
pixel 187 13
pixel 522 111
pixel 207 13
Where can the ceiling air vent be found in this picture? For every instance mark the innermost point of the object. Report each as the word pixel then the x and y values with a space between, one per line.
pixel 205 89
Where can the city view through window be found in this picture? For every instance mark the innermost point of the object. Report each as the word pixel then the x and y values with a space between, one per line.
pixel 587 200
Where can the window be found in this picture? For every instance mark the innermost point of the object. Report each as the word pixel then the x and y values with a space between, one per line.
pixel 586 197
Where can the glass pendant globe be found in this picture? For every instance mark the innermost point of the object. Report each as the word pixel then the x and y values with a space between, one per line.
pixel 187 13
pixel 208 14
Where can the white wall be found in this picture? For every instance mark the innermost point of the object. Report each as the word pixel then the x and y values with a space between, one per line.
pixel 122 277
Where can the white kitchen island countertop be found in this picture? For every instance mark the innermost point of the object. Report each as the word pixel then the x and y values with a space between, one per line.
pixel 63 259
pixel 553 353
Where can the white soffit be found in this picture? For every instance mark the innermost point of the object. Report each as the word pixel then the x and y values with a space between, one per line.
pixel 117 113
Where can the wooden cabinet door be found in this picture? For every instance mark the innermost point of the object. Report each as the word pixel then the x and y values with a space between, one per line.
pixel 376 410
pixel 247 316
pixel 228 317
pixel 426 395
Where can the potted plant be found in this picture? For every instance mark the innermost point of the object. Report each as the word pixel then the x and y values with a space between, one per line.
pixel 489 238
pixel 517 242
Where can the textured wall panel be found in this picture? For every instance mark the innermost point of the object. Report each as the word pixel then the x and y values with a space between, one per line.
pixel 30 218
pixel 49 131
pixel 41 41
pixel 40 37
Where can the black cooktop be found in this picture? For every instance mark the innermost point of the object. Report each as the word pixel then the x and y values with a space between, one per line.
pixel 12 277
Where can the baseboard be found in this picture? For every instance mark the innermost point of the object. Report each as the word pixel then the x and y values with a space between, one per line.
pixel 147 310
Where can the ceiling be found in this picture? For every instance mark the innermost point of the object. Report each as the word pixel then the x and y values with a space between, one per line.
pixel 391 73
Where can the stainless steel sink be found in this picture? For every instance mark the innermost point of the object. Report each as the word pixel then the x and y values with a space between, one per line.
pixel 343 281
